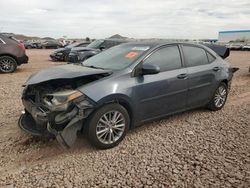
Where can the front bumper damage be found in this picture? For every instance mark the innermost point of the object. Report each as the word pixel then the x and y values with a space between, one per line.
pixel 57 57
pixel 62 125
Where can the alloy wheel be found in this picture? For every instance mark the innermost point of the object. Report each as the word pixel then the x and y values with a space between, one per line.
pixel 6 65
pixel 110 127
pixel 220 96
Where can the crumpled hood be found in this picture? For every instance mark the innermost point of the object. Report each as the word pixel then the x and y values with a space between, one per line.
pixel 63 72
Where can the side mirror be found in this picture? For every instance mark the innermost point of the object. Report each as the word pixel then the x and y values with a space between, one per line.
pixel 102 48
pixel 149 69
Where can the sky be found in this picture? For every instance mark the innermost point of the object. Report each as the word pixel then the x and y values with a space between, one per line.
pixel 192 19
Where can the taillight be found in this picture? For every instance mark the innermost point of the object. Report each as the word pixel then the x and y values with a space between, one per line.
pixel 21 46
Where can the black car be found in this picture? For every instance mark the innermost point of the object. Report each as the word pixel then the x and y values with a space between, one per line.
pixel 121 88
pixel 31 44
pixel 52 44
pixel 79 54
pixel 62 54
pixel 12 54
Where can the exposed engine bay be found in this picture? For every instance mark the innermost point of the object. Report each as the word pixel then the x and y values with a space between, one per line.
pixel 56 108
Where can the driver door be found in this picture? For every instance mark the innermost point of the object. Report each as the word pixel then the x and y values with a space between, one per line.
pixel 166 92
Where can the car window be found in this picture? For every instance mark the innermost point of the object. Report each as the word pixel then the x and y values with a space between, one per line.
pixel 96 44
pixel 194 56
pixel 109 44
pixel 167 58
pixel 83 45
pixel 210 57
pixel 1 41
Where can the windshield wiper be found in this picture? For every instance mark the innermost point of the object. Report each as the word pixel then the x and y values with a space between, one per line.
pixel 92 66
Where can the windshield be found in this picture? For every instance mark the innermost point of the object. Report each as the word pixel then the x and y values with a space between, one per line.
pixel 116 58
pixel 96 44
pixel 73 45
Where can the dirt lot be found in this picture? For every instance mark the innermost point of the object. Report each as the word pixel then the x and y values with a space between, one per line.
pixel 192 149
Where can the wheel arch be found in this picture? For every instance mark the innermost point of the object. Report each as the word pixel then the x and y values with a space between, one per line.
pixel 225 81
pixel 10 55
pixel 121 99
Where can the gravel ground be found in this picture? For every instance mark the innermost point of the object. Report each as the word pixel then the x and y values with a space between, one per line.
pixel 198 148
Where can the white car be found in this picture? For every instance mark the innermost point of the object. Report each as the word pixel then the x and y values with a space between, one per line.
pixel 235 46
pixel 246 47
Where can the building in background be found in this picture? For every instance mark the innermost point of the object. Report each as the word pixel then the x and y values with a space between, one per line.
pixel 236 35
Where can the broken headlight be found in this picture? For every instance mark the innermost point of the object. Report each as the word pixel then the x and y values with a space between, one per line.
pixel 59 101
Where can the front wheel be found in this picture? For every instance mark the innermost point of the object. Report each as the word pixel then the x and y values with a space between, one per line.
pixel 108 126
pixel 219 98
pixel 7 64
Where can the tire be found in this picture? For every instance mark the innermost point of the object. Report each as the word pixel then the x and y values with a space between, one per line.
pixel 110 134
pixel 66 58
pixel 219 98
pixel 7 64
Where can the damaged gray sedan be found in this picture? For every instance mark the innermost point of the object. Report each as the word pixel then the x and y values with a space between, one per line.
pixel 121 88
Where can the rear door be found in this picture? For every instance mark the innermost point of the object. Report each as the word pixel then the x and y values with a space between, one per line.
pixel 163 93
pixel 202 70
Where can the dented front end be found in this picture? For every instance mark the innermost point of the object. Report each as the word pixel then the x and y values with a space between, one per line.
pixel 54 111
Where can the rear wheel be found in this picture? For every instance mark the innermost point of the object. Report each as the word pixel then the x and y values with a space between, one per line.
pixel 66 58
pixel 7 64
pixel 219 98
pixel 108 126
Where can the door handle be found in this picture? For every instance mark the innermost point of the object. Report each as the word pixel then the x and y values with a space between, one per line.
pixel 216 69
pixel 182 76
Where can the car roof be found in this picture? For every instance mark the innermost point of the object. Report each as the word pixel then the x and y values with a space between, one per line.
pixel 117 40
pixel 157 43
pixel 212 49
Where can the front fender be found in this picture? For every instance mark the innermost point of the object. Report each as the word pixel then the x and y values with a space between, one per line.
pixel 86 55
pixel 123 100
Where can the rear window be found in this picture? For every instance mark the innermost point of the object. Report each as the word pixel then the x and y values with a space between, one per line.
pixel 6 39
pixel 194 56
pixel 210 57
pixel 14 39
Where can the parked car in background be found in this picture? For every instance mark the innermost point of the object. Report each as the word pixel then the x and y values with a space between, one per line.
pixel 32 44
pixel 235 46
pixel 62 54
pixel 246 47
pixel 121 88
pixel 12 54
pixel 52 44
pixel 79 54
